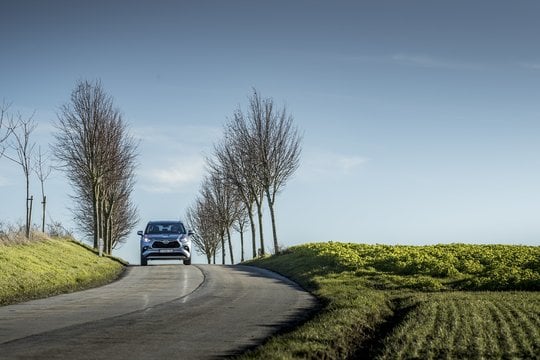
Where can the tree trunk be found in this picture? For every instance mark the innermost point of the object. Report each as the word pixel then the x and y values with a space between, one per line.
pixel 30 216
pixel 230 245
pixel 242 245
pixel 253 231
pixel 108 226
pixel 27 225
pixel 110 230
pixel 273 218
pixel 103 225
pixel 223 249
pixel 95 215
pixel 260 216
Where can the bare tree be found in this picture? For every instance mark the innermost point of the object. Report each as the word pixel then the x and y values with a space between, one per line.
pixel 277 147
pixel 94 148
pixel 260 153
pixel 23 149
pixel 42 170
pixel 206 236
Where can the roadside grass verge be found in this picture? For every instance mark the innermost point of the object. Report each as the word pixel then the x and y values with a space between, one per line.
pixel 46 267
pixel 433 302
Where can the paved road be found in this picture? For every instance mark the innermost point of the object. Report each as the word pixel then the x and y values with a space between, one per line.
pixel 156 312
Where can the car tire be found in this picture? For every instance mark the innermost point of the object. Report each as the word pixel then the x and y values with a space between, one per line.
pixel 144 262
pixel 187 262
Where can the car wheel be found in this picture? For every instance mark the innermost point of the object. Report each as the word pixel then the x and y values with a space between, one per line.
pixel 144 262
pixel 187 262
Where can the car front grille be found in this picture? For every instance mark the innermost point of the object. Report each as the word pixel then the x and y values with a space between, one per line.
pixel 163 245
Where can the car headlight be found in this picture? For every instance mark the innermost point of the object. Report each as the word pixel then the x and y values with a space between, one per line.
pixel 146 239
pixel 183 239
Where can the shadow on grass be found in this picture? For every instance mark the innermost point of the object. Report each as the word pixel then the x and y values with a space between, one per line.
pixel 374 345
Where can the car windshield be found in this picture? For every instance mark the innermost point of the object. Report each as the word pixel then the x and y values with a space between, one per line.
pixel 165 228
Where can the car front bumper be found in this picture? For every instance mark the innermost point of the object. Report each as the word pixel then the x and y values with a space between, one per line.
pixel 176 253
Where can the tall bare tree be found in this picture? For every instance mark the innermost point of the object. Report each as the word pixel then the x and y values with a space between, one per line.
pixel 267 148
pixel 22 147
pixel 42 170
pixel 94 147
pixel 279 148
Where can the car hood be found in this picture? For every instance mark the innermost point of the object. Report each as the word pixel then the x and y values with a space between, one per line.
pixel 169 237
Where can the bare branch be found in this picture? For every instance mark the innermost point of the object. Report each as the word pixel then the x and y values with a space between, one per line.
pixel 6 125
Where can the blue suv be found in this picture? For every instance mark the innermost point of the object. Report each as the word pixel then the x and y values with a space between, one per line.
pixel 165 240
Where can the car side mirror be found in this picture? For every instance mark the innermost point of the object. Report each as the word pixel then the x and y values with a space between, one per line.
pixel 140 233
pixel 190 232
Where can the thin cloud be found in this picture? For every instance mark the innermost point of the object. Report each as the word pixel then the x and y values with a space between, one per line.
pixel 406 59
pixel 167 135
pixel 348 164
pixel 531 66
pixel 427 61
pixel 171 156
pixel 329 164
pixel 174 177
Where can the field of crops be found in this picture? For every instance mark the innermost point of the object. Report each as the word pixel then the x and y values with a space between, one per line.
pixel 429 302
pixel 464 325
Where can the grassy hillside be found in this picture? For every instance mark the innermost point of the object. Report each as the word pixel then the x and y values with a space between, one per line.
pixel 51 266
pixel 432 302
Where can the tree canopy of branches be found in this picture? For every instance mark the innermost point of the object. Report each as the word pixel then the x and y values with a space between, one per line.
pixel 98 155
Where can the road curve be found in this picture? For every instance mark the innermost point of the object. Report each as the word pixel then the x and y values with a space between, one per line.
pixel 156 312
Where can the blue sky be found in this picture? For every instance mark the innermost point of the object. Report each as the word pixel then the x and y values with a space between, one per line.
pixel 421 119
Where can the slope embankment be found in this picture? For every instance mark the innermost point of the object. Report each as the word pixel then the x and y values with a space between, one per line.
pixel 45 267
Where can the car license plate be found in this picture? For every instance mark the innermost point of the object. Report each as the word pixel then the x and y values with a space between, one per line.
pixel 166 250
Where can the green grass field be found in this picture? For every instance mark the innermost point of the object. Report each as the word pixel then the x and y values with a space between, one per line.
pixel 45 267
pixel 404 302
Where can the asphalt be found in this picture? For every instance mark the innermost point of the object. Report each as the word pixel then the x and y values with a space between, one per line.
pixel 157 312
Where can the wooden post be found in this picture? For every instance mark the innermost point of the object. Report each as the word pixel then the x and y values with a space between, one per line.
pixel 44 202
